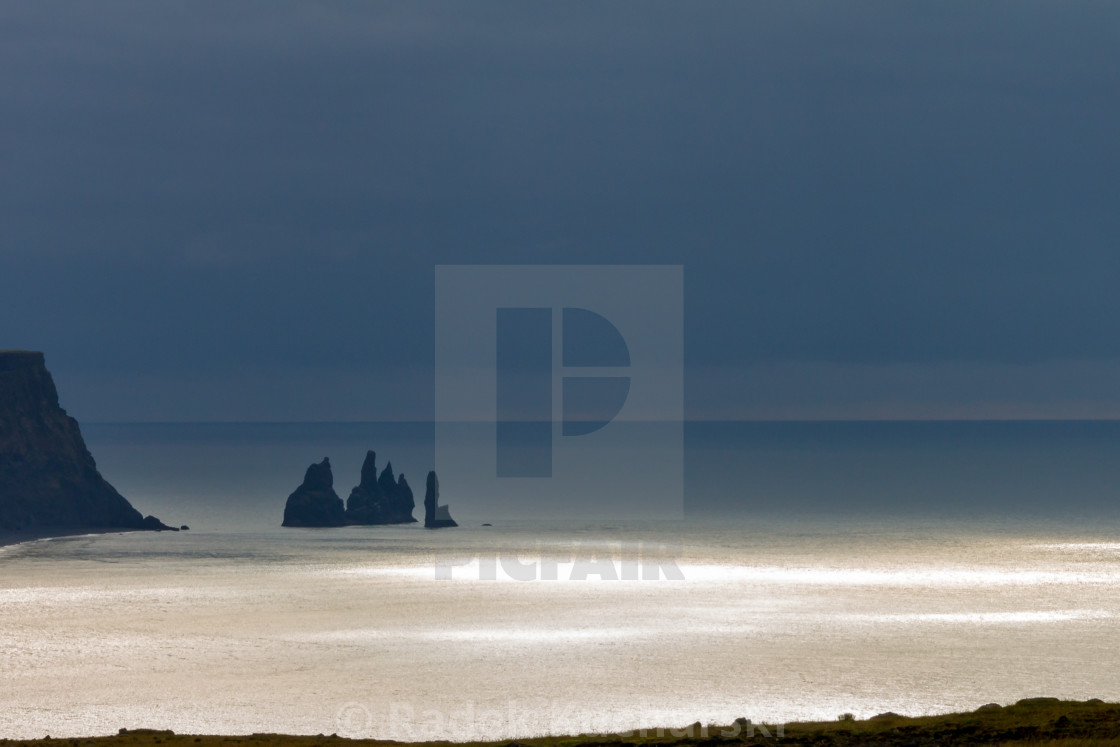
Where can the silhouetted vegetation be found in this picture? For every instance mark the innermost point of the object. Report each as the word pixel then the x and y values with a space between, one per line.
pixel 1033 721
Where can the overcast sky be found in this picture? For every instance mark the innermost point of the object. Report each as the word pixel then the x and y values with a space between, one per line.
pixel 232 211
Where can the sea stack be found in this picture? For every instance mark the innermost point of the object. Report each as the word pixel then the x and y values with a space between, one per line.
pixel 48 478
pixel 435 515
pixel 314 503
pixel 380 499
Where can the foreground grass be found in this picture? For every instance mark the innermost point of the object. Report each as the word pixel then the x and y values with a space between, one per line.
pixel 1028 722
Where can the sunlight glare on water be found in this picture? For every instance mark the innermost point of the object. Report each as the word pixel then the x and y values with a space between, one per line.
pixel 351 631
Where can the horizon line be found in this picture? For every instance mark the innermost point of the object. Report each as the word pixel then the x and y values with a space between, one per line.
pixel 683 421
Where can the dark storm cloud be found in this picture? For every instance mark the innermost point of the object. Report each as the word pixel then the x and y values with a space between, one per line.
pixel 196 189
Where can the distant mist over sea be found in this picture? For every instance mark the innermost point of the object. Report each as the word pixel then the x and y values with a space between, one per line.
pixel 237 475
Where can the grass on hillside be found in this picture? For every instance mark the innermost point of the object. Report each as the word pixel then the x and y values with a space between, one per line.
pixel 1029 722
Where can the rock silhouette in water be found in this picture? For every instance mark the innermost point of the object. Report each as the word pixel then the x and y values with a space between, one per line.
pixel 366 503
pixel 380 499
pixel 435 515
pixel 48 478
pixel 314 503
pixel 404 501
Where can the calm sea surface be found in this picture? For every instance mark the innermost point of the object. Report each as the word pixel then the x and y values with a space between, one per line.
pixel 1009 587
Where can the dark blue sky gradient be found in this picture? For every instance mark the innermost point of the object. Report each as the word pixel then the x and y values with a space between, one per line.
pixel 232 211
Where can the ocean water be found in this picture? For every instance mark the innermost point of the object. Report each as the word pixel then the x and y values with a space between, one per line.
pixel 861 594
pixel 220 476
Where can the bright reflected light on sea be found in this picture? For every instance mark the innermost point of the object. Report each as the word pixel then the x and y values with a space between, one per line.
pixel 914 578
pixel 994 618
pixel 356 632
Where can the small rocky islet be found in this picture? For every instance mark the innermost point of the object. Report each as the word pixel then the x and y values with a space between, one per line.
pixel 377 499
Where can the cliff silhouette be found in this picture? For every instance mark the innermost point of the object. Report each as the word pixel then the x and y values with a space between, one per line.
pixel 48 478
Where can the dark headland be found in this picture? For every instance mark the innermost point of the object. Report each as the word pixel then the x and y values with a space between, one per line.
pixel 49 483
pixel 1029 722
